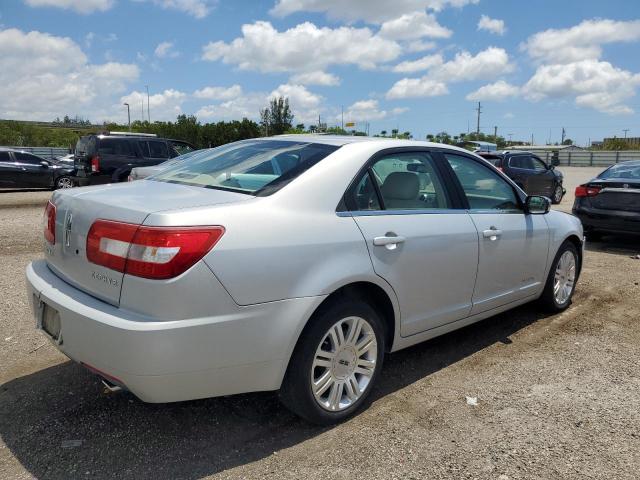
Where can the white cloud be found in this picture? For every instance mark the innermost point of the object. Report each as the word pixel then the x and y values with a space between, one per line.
pixel 164 106
pixel 420 46
pixel 244 106
pixel 414 25
pixel 305 105
pixel 195 8
pixel 364 110
pixel 80 6
pixel 489 63
pixel 417 87
pixel 219 93
pixel 304 47
pixel 583 41
pixel 498 91
pixel 492 25
pixel 372 11
pixel 424 63
pixel 57 79
pixel 166 50
pixel 317 77
pixel 594 84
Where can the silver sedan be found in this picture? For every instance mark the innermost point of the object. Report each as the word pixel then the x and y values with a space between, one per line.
pixel 291 263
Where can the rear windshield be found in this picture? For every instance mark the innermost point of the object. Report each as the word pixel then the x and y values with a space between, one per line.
pixel 630 172
pixel 254 167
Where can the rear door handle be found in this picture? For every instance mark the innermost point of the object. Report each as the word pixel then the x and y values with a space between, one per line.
pixel 390 242
pixel 492 234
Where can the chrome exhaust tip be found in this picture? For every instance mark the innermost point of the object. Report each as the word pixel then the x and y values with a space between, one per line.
pixel 110 387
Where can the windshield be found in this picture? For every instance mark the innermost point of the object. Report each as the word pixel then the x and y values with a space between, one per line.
pixel 631 172
pixel 255 167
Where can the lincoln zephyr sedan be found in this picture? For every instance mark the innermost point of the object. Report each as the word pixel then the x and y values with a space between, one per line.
pixel 291 263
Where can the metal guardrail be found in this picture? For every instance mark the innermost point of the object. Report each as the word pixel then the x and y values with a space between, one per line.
pixel 45 152
pixel 587 158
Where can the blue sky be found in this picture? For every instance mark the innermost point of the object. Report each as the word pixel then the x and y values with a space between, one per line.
pixel 416 65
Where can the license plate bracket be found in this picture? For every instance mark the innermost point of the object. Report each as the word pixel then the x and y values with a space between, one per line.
pixel 50 322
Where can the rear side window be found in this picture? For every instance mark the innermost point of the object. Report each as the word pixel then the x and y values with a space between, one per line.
pixel 5 157
pixel 246 166
pixel 484 188
pixel 404 181
pixel 115 146
pixel 158 149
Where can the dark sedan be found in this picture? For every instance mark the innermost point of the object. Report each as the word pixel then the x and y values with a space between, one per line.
pixel 610 203
pixel 531 174
pixel 24 170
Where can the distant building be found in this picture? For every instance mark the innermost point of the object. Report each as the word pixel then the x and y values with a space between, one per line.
pixel 631 141
pixel 597 143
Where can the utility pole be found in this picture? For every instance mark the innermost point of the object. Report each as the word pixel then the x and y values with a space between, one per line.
pixel 148 111
pixel 625 133
pixel 479 110
pixel 495 133
pixel 342 117
pixel 510 138
pixel 564 133
pixel 128 115
pixel 532 139
pixel 142 109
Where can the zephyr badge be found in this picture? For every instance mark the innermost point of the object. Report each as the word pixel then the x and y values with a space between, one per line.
pixel 67 229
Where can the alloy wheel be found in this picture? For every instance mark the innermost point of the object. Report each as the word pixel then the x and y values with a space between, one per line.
pixel 64 182
pixel 344 364
pixel 565 277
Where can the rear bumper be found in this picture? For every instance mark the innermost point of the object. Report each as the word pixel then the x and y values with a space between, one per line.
pixel 164 361
pixel 615 221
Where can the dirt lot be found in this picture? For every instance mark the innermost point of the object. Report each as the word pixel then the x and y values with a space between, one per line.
pixel 558 396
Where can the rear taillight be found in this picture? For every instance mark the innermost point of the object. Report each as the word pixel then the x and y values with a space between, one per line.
pixel 586 191
pixel 95 163
pixel 49 221
pixel 149 252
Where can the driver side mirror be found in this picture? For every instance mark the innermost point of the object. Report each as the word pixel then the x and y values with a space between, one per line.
pixel 44 164
pixel 537 205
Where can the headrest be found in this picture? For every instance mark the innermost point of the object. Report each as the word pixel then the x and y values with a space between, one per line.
pixel 401 186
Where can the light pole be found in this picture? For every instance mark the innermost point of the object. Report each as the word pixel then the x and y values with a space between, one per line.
pixel 128 115
pixel 148 111
pixel 625 133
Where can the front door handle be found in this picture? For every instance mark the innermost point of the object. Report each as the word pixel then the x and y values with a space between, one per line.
pixel 389 241
pixel 492 234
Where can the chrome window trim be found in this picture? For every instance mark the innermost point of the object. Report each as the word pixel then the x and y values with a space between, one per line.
pixel 421 211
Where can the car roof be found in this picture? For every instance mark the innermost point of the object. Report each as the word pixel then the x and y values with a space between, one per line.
pixel 340 140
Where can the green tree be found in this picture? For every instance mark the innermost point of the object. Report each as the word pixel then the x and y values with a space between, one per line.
pixel 276 118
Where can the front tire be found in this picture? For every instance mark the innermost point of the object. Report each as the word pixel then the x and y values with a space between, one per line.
pixel 335 364
pixel 561 282
pixel 557 194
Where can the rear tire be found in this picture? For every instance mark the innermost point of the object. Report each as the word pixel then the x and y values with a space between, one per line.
pixel 64 182
pixel 561 282
pixel 329 380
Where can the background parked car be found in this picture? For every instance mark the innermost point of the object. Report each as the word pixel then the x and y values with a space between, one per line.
pixel 531 174
pixel 68 158
pixel 20 169
pixel 138 173
pixel 109 158
pixel 610 203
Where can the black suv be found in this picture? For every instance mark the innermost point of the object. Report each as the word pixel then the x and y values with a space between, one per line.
pixel 531 174
pixel 108 158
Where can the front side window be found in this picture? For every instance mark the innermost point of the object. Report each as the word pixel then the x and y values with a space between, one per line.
pixel 158 149
pixel 246 166
pixel 484 188
pixel 521 161
pixel 538 164
pixel 5 157
pixel 27 158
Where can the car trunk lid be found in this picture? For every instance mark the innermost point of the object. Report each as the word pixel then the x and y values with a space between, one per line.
pixel 77 210
pixel 616 194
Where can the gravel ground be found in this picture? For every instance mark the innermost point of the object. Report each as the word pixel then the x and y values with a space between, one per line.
pixel 557 396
